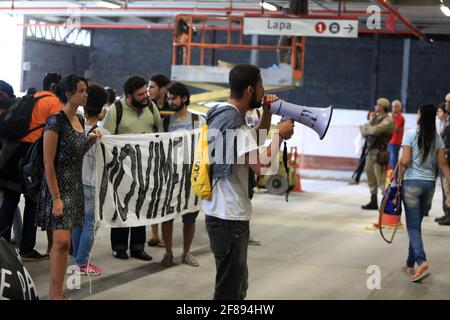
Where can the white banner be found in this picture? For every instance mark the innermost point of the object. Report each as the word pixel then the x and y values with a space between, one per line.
pixel 144 179
pixel 301 27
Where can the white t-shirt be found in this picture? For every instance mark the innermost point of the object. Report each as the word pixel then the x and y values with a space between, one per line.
pixel 89 159
pixel 229 200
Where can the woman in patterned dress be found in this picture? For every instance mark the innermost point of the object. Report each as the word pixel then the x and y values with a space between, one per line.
pixel 61 200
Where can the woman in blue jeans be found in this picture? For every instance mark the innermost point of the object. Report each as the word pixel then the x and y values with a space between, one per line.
pixel 83 236
pixel 422 148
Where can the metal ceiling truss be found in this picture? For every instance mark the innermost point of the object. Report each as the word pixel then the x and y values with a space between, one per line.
pixel 69 33
pixel 142 14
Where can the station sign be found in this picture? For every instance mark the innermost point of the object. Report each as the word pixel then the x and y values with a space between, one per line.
pixel 337 28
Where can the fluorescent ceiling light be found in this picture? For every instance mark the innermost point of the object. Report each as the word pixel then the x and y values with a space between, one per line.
pixel 445 10
pixel 269 6
pixel 108 4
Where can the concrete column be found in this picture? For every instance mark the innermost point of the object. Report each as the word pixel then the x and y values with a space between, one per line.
pixel 254 54
pixel 405 72
pixel 375 69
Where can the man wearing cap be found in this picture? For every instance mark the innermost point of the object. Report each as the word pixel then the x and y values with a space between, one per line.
pixel 445 219
pixel 378 132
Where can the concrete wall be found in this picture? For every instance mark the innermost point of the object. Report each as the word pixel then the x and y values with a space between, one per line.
pixel 45 56
pixel 117 54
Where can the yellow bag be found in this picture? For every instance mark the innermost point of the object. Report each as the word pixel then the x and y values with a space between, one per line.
pixel 201 168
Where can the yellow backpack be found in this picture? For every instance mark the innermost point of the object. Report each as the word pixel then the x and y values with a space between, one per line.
pixel 201 168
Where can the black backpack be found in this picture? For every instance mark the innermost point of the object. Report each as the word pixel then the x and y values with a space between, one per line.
pixel 32 165
pixel 14 122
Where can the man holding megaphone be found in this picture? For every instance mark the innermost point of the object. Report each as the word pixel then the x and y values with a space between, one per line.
pixel 229 208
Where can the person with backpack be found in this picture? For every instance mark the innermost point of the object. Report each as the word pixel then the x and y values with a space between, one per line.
pixel 83 237
pixel 229 208
pixel 423 150
pixel 178 98
pixel 134 113
pixel 157 91
pixel 22 126
pixel 61 198
pixel 6 94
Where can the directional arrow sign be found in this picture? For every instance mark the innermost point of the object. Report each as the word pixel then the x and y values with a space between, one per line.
pixel 349 28
pixel 337 28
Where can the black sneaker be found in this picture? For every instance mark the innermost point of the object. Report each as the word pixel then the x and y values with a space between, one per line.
pixel 120 254
pixel 141 255
pixel 34 255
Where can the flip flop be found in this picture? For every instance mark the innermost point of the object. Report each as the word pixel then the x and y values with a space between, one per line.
pixel 425 273
pixel 408 269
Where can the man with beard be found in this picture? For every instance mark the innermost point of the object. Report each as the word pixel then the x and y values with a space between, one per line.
pixel 134 113
pixel 229 208
pixel 178 99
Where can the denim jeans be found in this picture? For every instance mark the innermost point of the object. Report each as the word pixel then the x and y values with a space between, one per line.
pixel 229 242
pixel 394 150
pixel 417 198
pixel 83 237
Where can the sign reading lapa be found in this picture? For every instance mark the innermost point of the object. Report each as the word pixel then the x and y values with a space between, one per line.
pixel 301 27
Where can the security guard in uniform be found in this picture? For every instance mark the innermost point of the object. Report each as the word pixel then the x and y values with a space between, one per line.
pixel 378 133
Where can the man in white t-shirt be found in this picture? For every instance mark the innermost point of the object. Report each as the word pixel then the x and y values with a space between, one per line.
pixel 229 208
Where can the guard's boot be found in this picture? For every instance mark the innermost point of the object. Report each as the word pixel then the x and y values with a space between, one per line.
pixel 442 217
pixel 373 204
pixel 445 221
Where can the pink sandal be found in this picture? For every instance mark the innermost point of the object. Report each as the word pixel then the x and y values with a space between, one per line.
pixel 422 272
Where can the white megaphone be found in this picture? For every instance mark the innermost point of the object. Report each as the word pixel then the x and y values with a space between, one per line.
pixel 317 119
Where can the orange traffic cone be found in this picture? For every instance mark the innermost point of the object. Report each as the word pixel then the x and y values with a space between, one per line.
pixel 389 220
